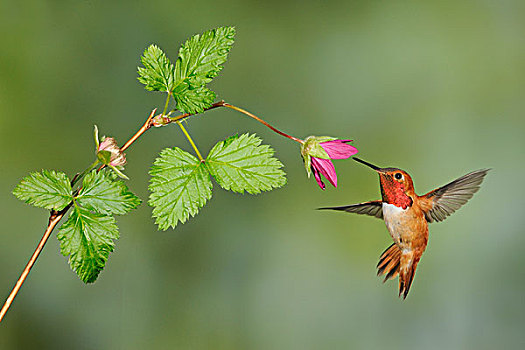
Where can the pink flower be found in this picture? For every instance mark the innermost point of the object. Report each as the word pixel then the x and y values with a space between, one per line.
pixel 318 153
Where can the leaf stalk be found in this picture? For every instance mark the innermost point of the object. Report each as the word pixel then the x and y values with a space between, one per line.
pixel 191 141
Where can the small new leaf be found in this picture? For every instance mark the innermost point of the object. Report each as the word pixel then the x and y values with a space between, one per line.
pixel 180 186
pixel 104 194
pixel 242 164
pixel 47 189
pixel 87 238
pixel 157 74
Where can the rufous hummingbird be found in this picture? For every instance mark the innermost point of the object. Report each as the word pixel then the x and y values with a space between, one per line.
pixel 407 216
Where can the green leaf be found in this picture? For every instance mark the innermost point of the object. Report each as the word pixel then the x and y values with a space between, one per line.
pixel 201 57
pixel 48 189
pixel 242 164
pixel 200 60
pixel 180 186
pixel 104 194
pixel 157 73
pixel 87 238
pixel 194 101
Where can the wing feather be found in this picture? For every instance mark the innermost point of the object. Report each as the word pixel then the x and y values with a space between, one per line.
pixel 443 201
pixel 374 208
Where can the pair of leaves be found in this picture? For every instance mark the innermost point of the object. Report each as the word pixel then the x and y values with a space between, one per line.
pixel 200 60
pixel 181 184
pixel 87 236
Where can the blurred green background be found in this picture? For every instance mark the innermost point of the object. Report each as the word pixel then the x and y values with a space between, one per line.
pixel 435 88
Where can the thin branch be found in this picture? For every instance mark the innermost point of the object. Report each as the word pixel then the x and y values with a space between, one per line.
pixel 227 105
pixel 141 131
pixel 262 122
pixel 53 221
pixel 187 115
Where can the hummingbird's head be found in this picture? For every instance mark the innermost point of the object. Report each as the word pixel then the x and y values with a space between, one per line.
pixel 396 185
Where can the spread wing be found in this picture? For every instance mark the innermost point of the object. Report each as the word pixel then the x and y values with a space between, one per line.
pixel 444 201
pixel 374 208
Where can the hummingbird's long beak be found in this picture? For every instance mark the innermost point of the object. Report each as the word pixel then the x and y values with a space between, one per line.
pixel 379 170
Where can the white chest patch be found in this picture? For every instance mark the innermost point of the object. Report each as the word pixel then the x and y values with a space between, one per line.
pixel 391 209
pixel 394 219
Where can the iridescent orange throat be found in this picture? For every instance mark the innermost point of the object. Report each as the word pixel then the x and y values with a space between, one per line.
pixel 394 193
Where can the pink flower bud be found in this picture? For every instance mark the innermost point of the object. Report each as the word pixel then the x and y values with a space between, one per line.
pixel 117 158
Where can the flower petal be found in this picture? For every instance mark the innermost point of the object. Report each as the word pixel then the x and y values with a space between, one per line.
pixel 339 149
pixel 318 178
pixel 118 160
pixel 107 144
pixel 326 168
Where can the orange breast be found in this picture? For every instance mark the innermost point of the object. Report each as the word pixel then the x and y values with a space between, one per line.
pixel 408 227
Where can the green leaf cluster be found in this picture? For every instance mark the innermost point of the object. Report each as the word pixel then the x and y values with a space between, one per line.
pixel 181 183
pixel 87 235
pixel 200 60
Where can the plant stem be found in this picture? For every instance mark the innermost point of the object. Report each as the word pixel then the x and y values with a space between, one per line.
pixel 53 221
pixel 227 105
pixel 141 131
pixel 261 121
pixel 166 104
pixel 187 115
pixel 191 141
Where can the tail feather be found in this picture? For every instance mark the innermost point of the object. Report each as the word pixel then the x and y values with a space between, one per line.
pixel 409 262
pixel 389 262
pixel 393 263
pixel 393 273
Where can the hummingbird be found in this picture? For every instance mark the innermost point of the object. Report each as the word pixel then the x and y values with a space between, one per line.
pixel 407 216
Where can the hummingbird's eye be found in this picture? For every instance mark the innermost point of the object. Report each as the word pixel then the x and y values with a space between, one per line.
pixel 398 176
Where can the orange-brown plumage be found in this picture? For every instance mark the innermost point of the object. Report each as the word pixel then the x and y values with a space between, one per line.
pixel 407 215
